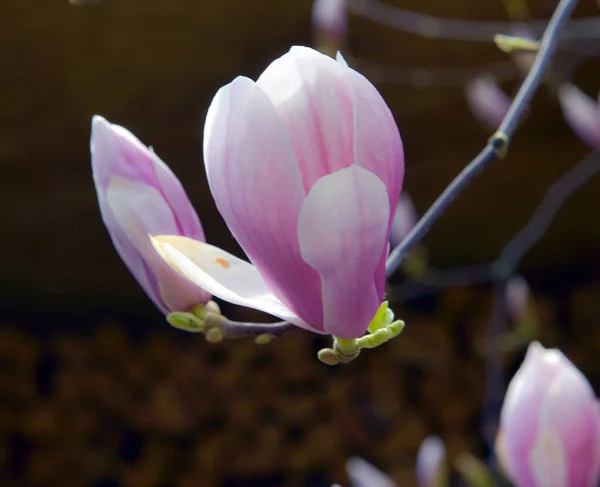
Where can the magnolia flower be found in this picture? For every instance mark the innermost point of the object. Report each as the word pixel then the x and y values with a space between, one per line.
pixel 582 113
pixel 139 195
pixel 517 297
pixel 404 220
pixel 549 426
pixel 305 166
pixel 330 19
pixel 487 101
pixel 431 460
pixel 362 474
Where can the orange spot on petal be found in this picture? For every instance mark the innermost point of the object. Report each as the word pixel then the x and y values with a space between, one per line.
pixel 222 262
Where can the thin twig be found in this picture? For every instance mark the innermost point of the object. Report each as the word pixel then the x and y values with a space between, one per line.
pixel 233 330
pixel 462 30
pixel 498 142
pixel 516 248
pixel 538 225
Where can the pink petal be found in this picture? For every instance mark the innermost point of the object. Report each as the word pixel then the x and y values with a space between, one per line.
pixel 377 143
pixel 223 275
pixel 117 152
pixel 363 474
pixel 343 230
pixel 569 412
pixel 521 409
pixel 517 296
pixel 331 16
pixel 254 178
pixel 404 220
pixel 141 210
pixel 314 100
pixel 487 101
pixel 581 113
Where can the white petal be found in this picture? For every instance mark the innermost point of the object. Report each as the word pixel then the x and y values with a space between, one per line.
pixel 547 461
pixel 223 275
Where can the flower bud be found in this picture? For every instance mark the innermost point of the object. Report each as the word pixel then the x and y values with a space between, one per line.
pixel 140 196
pixel 549 425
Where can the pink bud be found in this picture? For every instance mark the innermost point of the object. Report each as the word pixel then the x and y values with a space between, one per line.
pixel 140 196
pixel 330 19
pixel 582 113
pixel 487 101
pixel 404 220
pixel 549 424
pixel 362 474
pixel 306 166
pixel 517 296
pixel 431 460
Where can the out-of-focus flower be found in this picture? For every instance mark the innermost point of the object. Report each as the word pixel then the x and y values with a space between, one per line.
pixel 362 474
pixel 431 462
pixel 487 101
pixel 550 424
pixel 517 298
pixel 306 167
pixel 404 220
pixel 330 22
pixel 582 113
pixel 139 195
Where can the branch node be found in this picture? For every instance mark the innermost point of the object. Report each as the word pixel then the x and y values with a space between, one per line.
pixel 499 141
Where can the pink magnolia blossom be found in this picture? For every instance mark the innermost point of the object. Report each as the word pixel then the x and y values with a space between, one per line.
pixel 330 18
pixel 404 220
pixel 306 167
pixel 582 113
pixel 549 426
pixel 139 195
pixel 517 297
pixel 487 101
pixel 431 460
pixel 362 474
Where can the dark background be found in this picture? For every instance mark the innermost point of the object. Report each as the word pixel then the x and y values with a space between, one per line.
pixel 97 390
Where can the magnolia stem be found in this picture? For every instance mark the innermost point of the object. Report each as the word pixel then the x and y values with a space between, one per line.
pixel 232 330
pixel 462 30
pixel 497 144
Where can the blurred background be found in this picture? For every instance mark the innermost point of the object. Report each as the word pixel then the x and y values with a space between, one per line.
pixel 97 390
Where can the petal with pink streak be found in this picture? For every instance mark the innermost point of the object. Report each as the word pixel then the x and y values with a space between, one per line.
pixel 184 213
pixel 314 100
pixel 343 229
pixel 362 474
pixel 569 411
pixel 117 152
pixel 223 275
pixel 581 112
pixel 377 145
pixel 141 210
pixel 255 180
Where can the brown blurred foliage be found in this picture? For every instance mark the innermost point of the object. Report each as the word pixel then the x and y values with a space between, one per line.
pixel 113 405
